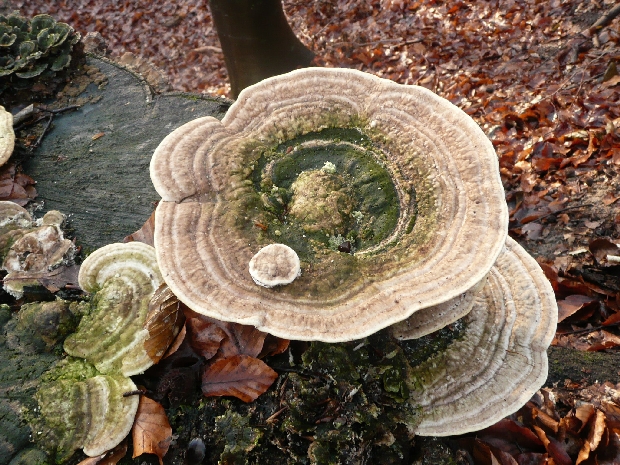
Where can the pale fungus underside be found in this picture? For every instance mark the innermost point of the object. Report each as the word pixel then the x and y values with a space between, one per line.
pixel 389 195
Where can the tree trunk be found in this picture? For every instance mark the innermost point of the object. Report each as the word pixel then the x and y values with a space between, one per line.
pixel 257 41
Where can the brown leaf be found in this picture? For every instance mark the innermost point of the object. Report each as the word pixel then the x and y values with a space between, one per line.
pixel 240 339
pixel 111 457
pixel 607 341
pixel 16 186
pixel 98 135
pixel 205 337
pixel 240 376
pixel 163 322
pixel 60 277
pixel 151 431
pixel 600 248
pixel 572 304
pixel 177 342
pixel 145 233
pixel 594 437
pixel 273 346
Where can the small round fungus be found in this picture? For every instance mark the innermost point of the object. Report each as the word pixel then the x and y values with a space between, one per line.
pixel 275 265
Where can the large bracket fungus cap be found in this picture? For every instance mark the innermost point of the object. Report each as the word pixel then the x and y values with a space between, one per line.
pixel 389 195
pixel 500 361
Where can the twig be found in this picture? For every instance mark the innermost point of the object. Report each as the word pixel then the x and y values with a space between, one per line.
pixel 588 330
pixel 562 210
pixel 45 129
pixel 602 22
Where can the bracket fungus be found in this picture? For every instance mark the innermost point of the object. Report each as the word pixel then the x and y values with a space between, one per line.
pixel 500 361
pixel 7 135
pixel 81 398
pixel 391 199
pixel 312 159
pixel 30 249
pixel 123 278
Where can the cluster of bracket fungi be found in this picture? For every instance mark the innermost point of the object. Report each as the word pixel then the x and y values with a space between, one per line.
pixel 410 182
pixel 327 205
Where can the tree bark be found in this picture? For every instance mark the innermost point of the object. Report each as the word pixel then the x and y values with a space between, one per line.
pixel 257 41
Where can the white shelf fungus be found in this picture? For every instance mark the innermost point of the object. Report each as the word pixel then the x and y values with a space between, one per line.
pixel 422 179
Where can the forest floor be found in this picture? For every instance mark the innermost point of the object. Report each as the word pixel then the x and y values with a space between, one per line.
pixel 540 83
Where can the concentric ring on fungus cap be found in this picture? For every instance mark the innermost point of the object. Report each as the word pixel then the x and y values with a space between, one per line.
pixel 312 159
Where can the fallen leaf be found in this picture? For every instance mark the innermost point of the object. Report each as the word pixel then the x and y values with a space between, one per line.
pixel 151 431
pixel 145 233
pixel 600 248
pixel 273 346
pixel 16 186
pixel 60 277
pixel 572 304
pixel 240 376
pixel 98 135
pixel 163 322
pixel 594 437
pixel 205 337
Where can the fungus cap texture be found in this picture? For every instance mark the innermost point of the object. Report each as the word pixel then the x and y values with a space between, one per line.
pixel 449 225
pixel 123 278
pixel 274 265
pixel 500 361
pixel 7 135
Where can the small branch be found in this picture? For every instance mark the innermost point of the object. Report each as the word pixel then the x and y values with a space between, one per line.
pixel 602 22
pixel 561 210
pixel 45 129
pixel 588 330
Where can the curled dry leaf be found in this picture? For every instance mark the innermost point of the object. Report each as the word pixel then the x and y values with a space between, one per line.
pixel 572 304
pixel 241 376
pixel 594 437
pixel 208 335
pixel 163 322
pixel 205 337
pixel 151 431
pixel 145 233
pixel 16 186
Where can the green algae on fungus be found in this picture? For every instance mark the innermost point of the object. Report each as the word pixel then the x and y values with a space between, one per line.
pixel 81 402
pixel 123 279
pixel 422 177
pixel 81 408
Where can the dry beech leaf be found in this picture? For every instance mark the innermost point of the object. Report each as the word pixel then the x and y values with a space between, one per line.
pixel 177 342
pixel 273 346
pixel 572 304
pixel 600 248
pixel 145 233
pixel 594 437
pixel 163 322
pixel 607 341
pixel 240 376
pixel 238 339
pixel 111 457
pixel 16 186
pixel 205 337
pixel 151 431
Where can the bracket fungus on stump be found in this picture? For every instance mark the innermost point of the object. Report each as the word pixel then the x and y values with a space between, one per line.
pixel 414 188
pixel 391 198
pixel 81 398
